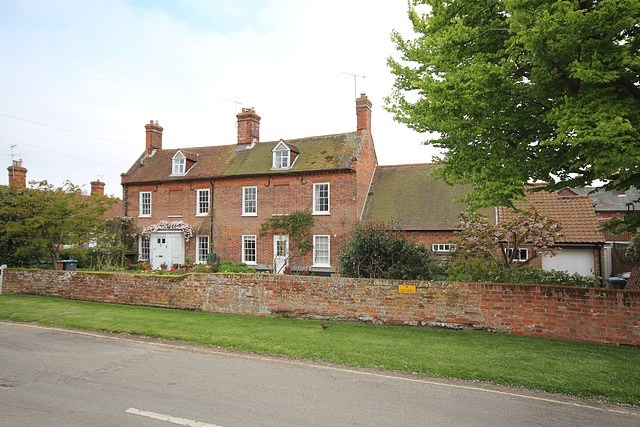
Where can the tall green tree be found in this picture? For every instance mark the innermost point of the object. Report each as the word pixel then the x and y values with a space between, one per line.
pixel 521 90
pixel 42 219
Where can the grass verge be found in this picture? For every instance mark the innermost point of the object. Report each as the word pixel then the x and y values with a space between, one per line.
pixel 592 371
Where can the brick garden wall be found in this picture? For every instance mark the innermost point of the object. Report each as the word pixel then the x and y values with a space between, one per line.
pixel 585 314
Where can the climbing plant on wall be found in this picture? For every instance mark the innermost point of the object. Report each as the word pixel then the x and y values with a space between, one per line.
pixel 297 226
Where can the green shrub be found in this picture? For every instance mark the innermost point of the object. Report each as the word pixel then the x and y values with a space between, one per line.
pixel 484 270
pixel 377 251
pixel 553 277
pixel 234 267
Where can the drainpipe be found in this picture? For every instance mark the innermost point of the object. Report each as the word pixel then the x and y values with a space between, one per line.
pixel 600 263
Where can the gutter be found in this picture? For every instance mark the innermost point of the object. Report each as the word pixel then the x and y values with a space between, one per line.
pixel 256 175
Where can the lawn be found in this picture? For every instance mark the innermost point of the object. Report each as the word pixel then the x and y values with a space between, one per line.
pixel 593 371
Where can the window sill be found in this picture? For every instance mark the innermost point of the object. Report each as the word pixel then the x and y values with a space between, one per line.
pixel 250 262
pixel 321 266
pixel 253 214
pixel 321 213
pixel 144 216
pixel 174 216
pixel 203 214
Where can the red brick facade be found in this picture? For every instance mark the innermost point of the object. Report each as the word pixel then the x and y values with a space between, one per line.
pixel 598 315
pixel 347 163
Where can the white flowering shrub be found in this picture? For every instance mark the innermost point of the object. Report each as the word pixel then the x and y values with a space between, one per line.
pixel 187 230
pixel 480 237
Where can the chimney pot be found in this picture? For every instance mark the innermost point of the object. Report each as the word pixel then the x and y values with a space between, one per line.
pixel 97 187
pixel 17 175
pixel 248 127
pixel 154 136
pixel 363 112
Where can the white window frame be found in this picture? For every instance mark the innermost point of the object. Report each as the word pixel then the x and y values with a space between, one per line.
pixel 316 244
pixel 525 251
pixel 245 206
pixel 144 248
pixel 249 238
pixel 443 247
pixel 281 157
pixel 202 207
pixel 317 197
pixel 178 164
pixel 202 249
pixel 145 213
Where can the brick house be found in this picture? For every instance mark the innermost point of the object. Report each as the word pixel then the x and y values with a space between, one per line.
pixel 582 242
pixel 225 193
pixel 426 209
pixel 420 205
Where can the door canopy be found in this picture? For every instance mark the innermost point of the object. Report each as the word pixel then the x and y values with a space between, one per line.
pixel 187 230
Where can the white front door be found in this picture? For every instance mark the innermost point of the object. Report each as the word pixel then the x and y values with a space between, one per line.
pixel 166 247
pixel 280 253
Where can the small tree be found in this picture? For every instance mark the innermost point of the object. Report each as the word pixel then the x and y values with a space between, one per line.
pixel 45 218
pixel 501 243
pixel 377 251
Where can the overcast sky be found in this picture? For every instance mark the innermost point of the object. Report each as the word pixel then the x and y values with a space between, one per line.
pixel 80 79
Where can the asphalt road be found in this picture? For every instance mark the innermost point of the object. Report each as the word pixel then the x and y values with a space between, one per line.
pixel 55 377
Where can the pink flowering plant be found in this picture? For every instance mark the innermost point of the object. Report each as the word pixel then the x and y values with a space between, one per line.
pixel 501 243
pixel 187 230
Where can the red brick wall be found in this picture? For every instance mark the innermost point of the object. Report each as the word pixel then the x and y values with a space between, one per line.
pixel 278 194
pixel 281 195
pixel 585 314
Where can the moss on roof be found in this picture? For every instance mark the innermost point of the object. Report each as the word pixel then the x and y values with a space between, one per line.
pixel 322 153
pixel 415 200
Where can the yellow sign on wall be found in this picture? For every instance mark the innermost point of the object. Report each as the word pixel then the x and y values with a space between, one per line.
pixel 407 289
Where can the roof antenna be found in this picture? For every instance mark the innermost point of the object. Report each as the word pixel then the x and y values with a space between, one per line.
pixel 236 107
pixel 13 162
pixel 355 89
pixel 235 102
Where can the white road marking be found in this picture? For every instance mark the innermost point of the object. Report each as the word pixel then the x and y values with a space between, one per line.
pixel 336 368
pixel 169 418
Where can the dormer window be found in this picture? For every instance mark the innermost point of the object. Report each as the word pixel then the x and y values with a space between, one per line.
pixel 281 159
pixel 182 162
pixel 284 156
pixel 179 164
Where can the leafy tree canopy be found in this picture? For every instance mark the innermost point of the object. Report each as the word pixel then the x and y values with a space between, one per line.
pixel 42 219
pixel 524 90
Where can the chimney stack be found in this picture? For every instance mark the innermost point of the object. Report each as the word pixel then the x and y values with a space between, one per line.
pixel 248 127
pixel 97 187
pixel 17 175
pixel 363 111
pixel 154 136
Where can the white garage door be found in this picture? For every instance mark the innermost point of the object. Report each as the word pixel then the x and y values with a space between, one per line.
pixel 572 261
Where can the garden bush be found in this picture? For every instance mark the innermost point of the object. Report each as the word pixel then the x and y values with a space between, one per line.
pixel 377 251
pixel 476 269
pixel 234 267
